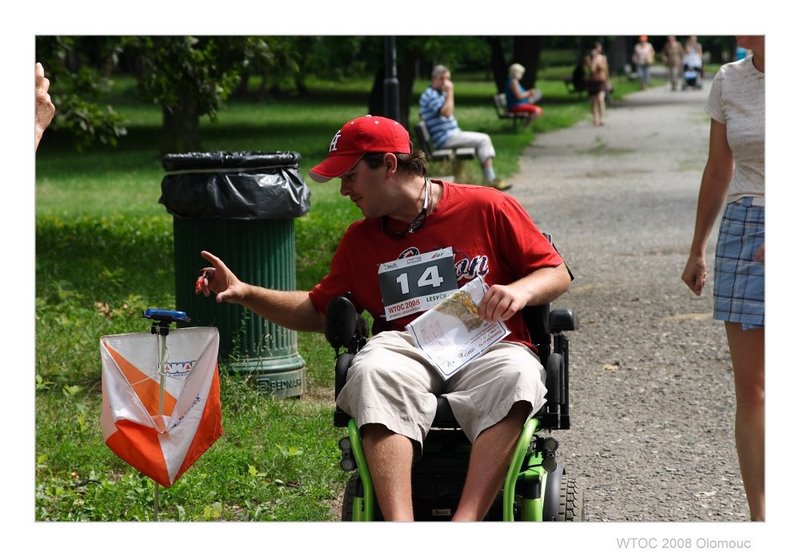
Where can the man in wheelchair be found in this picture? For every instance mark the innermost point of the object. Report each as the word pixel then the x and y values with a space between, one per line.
pixel 419 240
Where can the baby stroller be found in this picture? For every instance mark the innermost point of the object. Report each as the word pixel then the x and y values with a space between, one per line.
pixel 692 71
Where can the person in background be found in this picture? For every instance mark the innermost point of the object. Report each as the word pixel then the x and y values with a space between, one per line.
pixel 694 49
pixel 520 100
pixel 45 109
pixel 643 57
pixel 597 83
pixel 672 56
pixel 733 183
pixel 436 108
pixel 740 54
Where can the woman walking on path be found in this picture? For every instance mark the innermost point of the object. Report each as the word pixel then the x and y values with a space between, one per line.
pixel 734 179
pixel 644 56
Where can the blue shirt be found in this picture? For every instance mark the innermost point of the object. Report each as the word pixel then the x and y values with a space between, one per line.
pixel 511 98
pixel 440 127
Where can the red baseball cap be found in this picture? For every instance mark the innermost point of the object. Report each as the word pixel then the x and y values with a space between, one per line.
pixel 365 134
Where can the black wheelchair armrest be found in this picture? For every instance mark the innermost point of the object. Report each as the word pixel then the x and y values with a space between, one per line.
pixel 550 325
pixel 554 370
pixel 340 322
pixel 344 326
pixel 555 412
pixel 343 362
pixel 562 320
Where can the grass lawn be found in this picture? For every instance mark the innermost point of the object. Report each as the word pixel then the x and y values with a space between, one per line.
pixel 104 253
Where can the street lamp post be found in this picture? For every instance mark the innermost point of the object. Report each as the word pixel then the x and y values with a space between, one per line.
pixel 391 85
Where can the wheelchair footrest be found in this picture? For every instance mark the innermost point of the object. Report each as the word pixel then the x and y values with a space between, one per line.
pixel 547 446
pixel 348 461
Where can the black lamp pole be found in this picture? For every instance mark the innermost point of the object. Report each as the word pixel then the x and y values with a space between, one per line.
pixel 391 85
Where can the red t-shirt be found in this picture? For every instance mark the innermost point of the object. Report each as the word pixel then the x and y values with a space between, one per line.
pixel 490 233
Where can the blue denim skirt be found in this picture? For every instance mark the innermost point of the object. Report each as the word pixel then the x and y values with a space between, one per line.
pixel 738 278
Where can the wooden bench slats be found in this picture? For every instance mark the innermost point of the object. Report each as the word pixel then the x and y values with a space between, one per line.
pixel 502 109
pixel 424 139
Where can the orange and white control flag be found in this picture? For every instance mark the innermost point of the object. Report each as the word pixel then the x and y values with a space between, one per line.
pixel 161 425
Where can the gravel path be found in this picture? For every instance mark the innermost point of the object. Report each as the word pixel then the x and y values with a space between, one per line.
pixel 652 399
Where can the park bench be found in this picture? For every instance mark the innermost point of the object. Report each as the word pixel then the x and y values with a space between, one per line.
pixel 501 107
pixel 453 158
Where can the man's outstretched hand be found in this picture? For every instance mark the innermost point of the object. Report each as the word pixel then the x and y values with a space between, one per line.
pixel 218 279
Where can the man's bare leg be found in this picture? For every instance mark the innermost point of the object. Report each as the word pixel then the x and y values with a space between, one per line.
pixel 389 457
pixel 488 464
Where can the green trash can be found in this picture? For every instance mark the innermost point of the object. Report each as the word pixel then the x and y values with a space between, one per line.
pixel 241 207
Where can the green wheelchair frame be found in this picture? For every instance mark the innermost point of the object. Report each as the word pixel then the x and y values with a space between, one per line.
pixel 536 487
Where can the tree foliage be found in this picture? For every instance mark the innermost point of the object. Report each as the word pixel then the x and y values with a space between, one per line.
pixel 190 77
pixel 174 68
pixel 79 66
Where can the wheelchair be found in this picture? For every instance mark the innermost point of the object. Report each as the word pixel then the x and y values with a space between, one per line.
pixel 536 486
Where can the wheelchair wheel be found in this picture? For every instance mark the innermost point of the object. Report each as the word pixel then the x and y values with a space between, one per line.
pixel 570 501
pixel 350 490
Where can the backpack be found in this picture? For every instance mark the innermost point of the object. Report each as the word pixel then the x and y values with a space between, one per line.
pixel 579 77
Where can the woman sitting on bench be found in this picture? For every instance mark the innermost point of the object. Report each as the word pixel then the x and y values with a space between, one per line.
pixel 520 100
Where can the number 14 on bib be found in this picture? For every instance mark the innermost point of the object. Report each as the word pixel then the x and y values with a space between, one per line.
pixel 418 283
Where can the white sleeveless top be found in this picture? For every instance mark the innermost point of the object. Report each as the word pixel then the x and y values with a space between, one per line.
pixel 737 100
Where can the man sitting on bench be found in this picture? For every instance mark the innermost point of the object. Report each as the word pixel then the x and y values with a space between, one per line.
pixel 436 107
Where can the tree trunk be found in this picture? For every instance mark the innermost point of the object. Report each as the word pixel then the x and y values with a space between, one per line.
pixel 498 63
pixel 263 87
pixel 180 132
pixel 375 102
pixel 406 73
pixel 619 56
pixel 527 51
pixel 242 89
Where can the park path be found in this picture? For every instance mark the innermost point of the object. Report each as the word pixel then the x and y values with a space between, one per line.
pixel 652 400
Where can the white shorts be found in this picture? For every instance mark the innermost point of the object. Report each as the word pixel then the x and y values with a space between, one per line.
pixel 391 383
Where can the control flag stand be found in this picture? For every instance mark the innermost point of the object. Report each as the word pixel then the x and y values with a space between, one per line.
pixel 161 402
pixel 162 320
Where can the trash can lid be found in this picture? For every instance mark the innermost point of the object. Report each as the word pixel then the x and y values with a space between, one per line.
pixel 224 160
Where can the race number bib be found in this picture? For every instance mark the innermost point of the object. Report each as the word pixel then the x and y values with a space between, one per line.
pixel 417 283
